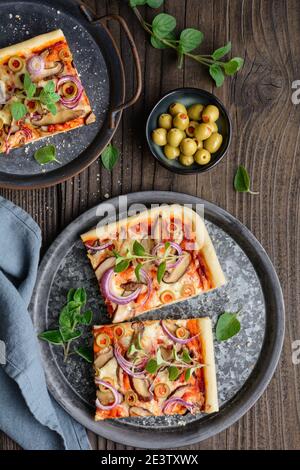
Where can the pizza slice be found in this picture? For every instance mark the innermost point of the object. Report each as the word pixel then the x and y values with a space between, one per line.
pixel 154 368
pixel 161 256
pixel 40 91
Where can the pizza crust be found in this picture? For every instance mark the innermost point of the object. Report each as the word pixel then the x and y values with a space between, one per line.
pixel 209 371
pixel 26 47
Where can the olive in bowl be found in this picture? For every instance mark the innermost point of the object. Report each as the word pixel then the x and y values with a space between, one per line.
pixel 200 134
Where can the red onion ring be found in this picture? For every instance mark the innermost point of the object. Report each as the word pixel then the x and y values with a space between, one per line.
pixel 123 363
pixel 105 287
pixel 72 102
pixel 147 278
pixel 98 248
pixel 173 245
pixel 178 401
pixel 174 338
pixel 35 65
pixel 116 394
pixel 27 132
pixel 140 365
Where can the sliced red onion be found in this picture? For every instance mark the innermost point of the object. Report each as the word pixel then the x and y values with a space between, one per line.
pixel 173 337
pixel 173 245
pixel 72 102
pixel 147 278
pixel 127 366
pixel 116 394
pixel 178 401
pixel 27 132
pixel 117 299
pixel 35 65
pixel 98 247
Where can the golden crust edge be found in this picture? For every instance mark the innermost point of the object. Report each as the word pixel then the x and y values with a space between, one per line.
pixel 209 371
pixel 32 43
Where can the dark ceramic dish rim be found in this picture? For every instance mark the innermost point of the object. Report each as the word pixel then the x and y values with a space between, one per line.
pixel 186 170
pixel 249 393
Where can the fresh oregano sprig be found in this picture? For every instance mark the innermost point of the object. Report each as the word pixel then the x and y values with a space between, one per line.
pixel 139 253
pixel 163 36
pixel 70 318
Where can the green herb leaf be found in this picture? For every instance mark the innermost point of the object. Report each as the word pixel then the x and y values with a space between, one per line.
pixel 109 157
pixel 69 335
pixel 52 108
pixel 151 366
pixel 138 342
pixel 70 294
pixel 49 87
pixel 161 271
pixel 154 3
pixel 52 336
pixel 190 38
pixel 86 317
pixel 138 249
pixel 227 326
pixel 233 66
pixel 217 74
pixel 136 3
pixel 167 245
pixel 18 110
pixel 163 24
pixel 85 352
pixel 80 296
pixel 46 155
pixel 29 86
pixel 188 374
pixel 121 266
pixel 174 373
pixel 242 181
pixel 186 356
pixel 219 53
pixel 65 317
pixel 132 350
pixel 137 271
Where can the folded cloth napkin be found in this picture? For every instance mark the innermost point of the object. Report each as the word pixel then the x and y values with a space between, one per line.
pixel 27 413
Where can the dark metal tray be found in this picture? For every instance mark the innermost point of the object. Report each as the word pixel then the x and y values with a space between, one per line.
pixel 101 70
pixel 245 363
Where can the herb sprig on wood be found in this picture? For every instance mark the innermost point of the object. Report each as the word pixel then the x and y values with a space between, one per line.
pixel 70 318
pixel 163 36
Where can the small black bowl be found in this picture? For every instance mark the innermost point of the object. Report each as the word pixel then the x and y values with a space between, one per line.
pixel 188 96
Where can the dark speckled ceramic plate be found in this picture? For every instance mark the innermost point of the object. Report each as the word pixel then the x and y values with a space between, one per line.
pixel 245 363
pixel 101 71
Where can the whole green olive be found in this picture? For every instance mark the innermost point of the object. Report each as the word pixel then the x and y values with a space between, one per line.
pixel 181 121
pixel 188 146
pixel 165 121
pixel 213 126
pixel 213 143
pixel 203 131
pixel 176 108
pixel 210 113
pixel 195 111
pixel 171 152
pixel 190 130
pixel 175 136
pixel 186 160
pixel 159 136
pixel 202 157
pixel 199 143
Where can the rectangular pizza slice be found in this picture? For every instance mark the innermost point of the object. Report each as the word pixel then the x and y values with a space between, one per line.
pixel 155 368
pixel 40 91
pixel 158 257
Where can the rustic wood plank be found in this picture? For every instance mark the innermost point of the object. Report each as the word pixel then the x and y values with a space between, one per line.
pixel 266 140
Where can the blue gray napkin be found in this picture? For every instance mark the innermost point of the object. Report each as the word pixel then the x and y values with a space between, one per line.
pixel 27 413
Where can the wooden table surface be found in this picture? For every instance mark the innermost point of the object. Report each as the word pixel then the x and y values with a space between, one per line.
pixel 266 140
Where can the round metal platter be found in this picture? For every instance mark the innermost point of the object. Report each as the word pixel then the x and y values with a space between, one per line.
pixel 245 363
pixel 100 68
